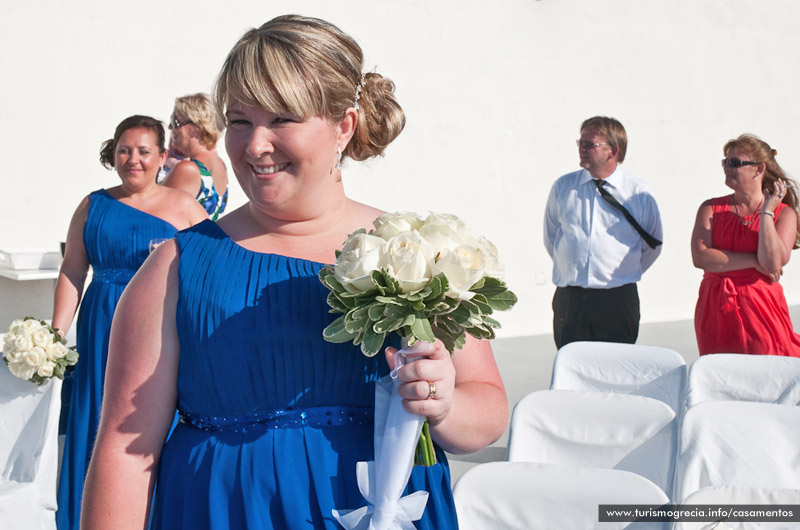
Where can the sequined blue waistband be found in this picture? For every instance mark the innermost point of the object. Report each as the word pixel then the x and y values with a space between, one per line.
pixel 112 275
pixel 316 417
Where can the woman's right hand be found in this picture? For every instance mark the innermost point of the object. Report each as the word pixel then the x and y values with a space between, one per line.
pixel 773 276
pixel 773 198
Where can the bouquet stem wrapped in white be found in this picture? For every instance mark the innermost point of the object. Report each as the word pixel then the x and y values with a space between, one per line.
pixel 425 279
pixel 36 352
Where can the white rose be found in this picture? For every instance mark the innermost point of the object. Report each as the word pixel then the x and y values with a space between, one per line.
pixel 389 225
pixel 21 369
pixel 15 326
pixel 23 343
pixel 46 369
pixel 35 357
pixel 56 350
pixel 13 356
pixel 361 254
pixel 463 266
pixel 492 265
pixel 408 258
pixel 446 231
pixel 9 339
pixel 31 325
pixel 41 337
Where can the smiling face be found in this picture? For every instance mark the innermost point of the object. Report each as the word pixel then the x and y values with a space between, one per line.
pixel 285 164
pixel 137 157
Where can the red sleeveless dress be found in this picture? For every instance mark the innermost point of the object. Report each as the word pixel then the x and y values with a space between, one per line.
pixel 741 311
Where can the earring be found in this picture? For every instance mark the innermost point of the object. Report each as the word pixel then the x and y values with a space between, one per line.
pixel 339 157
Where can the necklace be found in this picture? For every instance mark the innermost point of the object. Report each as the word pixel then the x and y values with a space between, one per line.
pixel 747 220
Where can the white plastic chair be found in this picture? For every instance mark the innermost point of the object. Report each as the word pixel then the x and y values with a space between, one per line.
pixel 28 452
pixel 649 371
pixel 597 429
pixel 738 443
pixel 530 496
pixel 721 495
pixel 740 377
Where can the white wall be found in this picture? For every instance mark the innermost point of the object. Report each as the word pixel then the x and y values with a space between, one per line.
pixel 494 93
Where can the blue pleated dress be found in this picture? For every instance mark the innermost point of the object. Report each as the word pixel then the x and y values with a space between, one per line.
pixel 274 418
pixel 117 241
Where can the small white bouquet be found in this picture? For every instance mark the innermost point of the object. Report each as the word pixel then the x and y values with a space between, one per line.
pixel 36 352
pixel 424 279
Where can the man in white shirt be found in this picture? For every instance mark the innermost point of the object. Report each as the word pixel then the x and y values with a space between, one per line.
pixel 598 254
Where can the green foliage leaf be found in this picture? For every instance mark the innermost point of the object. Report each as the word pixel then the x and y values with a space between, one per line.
pixel 489 287
pixel 388 325
pixel 375 311
pixel 336 304
pixel 372 342
pixel 448 324
pixel 481 332
pixel 421 329
pixel 335 332
pixel 482 303
pixel 502 301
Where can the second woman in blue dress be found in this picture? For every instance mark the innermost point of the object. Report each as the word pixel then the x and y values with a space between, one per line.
pixel 111 230
pixel 229 321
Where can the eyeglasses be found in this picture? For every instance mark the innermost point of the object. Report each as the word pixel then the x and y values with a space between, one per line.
pixel 585 144
pixel 735 162
pixel 174 124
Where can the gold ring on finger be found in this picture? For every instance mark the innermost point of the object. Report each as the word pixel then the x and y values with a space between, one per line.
pixel 431 390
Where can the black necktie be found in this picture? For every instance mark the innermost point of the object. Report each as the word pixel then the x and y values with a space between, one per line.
pixel 650 240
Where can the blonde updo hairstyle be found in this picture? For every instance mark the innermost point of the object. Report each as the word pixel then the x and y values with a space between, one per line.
pixel 760 151
pixel 309 67
pixel 200 110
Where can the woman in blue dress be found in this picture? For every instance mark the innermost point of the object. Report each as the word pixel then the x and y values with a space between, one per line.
pixel 228 320
pixel 195 128
pixel 111 230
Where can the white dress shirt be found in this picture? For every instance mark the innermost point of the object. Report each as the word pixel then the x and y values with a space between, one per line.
pixel 591 243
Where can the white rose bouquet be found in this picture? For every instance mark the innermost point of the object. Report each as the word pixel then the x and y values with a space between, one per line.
pixel 35 351
pixel 424 279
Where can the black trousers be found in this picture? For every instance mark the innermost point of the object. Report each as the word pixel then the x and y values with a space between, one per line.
pixel 608 315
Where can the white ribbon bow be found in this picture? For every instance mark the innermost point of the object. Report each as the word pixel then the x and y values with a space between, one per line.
pixel 382 481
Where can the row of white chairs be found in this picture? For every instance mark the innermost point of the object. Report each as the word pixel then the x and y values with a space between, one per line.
pixel 621 418
pixel 661 374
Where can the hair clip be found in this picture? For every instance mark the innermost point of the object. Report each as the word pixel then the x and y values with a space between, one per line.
pixel 358 91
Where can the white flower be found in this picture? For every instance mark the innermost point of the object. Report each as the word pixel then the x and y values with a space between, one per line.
pixel 42 337
pixel 15 325
pixel 31 325
pixel 23 343
pixel 13 355
pixel 35 357
pixel 389 225
pixel 46 369
pixel 463 266
pixel 446 231
pixel 492 267
pixel 362 253
pixel 408 258
pixel 55 351
pixel 9 339
pixel 21 369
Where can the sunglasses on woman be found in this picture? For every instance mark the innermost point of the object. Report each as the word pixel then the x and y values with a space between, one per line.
pixel 735 162
pixel 174 124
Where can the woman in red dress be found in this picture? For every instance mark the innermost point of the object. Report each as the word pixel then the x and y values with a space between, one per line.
pixel 742 241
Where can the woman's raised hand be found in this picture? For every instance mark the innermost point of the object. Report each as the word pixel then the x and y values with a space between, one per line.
pixel 773 198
